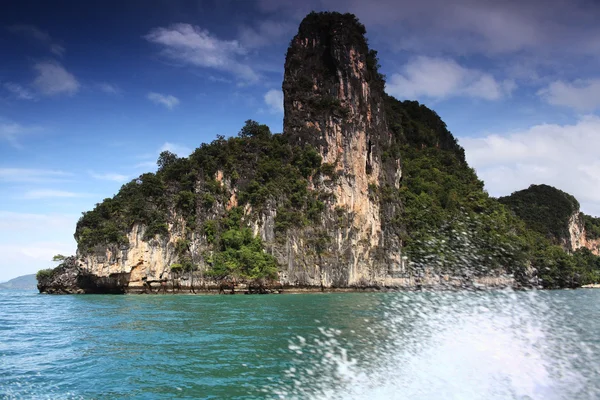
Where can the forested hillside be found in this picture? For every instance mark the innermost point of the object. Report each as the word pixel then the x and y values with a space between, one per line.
pixel 360 190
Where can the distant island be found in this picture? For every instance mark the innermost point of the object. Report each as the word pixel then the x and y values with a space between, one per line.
pixel 24 282
pixel 361 191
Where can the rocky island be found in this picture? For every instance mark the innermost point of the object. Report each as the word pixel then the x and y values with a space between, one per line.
pixel 360 191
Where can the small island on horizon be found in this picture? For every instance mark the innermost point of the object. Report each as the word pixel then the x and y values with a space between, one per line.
pixel 360 191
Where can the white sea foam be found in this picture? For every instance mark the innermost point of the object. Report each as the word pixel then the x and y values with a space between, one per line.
pixel 445 346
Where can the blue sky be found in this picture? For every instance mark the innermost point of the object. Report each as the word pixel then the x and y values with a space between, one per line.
pixel 91 92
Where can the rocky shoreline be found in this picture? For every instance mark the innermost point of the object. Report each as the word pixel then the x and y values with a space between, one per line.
pixel 591 286
pixel 71 278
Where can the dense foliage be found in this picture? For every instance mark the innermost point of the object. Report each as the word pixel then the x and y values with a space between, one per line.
pixel 44 273
pixel 592 226
pixel 446 220
pixel 238 253
pixel 559 269
pixel 451 222
pixel 544 209
pixel 266 171
pixel 332 28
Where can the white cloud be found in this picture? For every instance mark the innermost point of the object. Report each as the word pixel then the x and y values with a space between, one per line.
pixel 37 34
pixel 192 45
pixel 180 150
pixel 274 99
pixel 564 156
pixel 166 100
pixel 22 175
pixel 53 79
pixel 560 27
pixel 109 88
pixel 582 95
pixel 266 33
pixel 443 78
pixel 149 159
pixel 109 177
pixel 51 193
pixel 19 91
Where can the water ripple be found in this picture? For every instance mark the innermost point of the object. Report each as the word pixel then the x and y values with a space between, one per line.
pixel 337 346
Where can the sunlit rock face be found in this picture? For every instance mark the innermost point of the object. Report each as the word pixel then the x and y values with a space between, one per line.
pixel 333 100
pixel 578 236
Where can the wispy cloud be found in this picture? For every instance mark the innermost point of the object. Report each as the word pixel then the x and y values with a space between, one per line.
pixel 180 150
pixel 219 79
pixel 191 45
pixel 109 176
pixel 16 220
pixel 19 91
pixel 149 159
pixel 53 79
pixel 440 78
pixel 11 132
pixel 469 26
pixel 33 32
pixel 51 193
pixel 266 33
pixel 582 95
pixel 166 100
pixel 274 100
pixel 21 175
pixel 109 88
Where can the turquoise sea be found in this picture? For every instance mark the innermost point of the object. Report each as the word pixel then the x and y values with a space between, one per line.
pixel 461 345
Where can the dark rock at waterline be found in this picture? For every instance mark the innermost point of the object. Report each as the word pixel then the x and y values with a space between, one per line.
pixel 70 278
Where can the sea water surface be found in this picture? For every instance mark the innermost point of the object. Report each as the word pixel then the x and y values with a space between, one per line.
pixel 461 345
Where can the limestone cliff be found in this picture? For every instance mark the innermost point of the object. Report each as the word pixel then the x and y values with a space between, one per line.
pixel 322 201
pixel 333 100
pixel 579 237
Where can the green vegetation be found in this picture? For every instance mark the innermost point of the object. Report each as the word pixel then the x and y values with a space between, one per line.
pixel 544 209
pixel 238 253
pixel 267 172
pixel 449 222
pixel 592 226
pixel 559 269
pixel 59 258
pixel 321 24
pixel 44 274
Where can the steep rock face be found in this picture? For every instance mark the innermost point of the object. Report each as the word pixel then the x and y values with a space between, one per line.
pixel 578 237
pixel 146 262
pixel 333 100
pixel 334 103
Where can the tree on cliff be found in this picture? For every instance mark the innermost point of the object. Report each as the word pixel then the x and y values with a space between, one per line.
pixel 438 210
pixel 175 273
pixel 166 159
